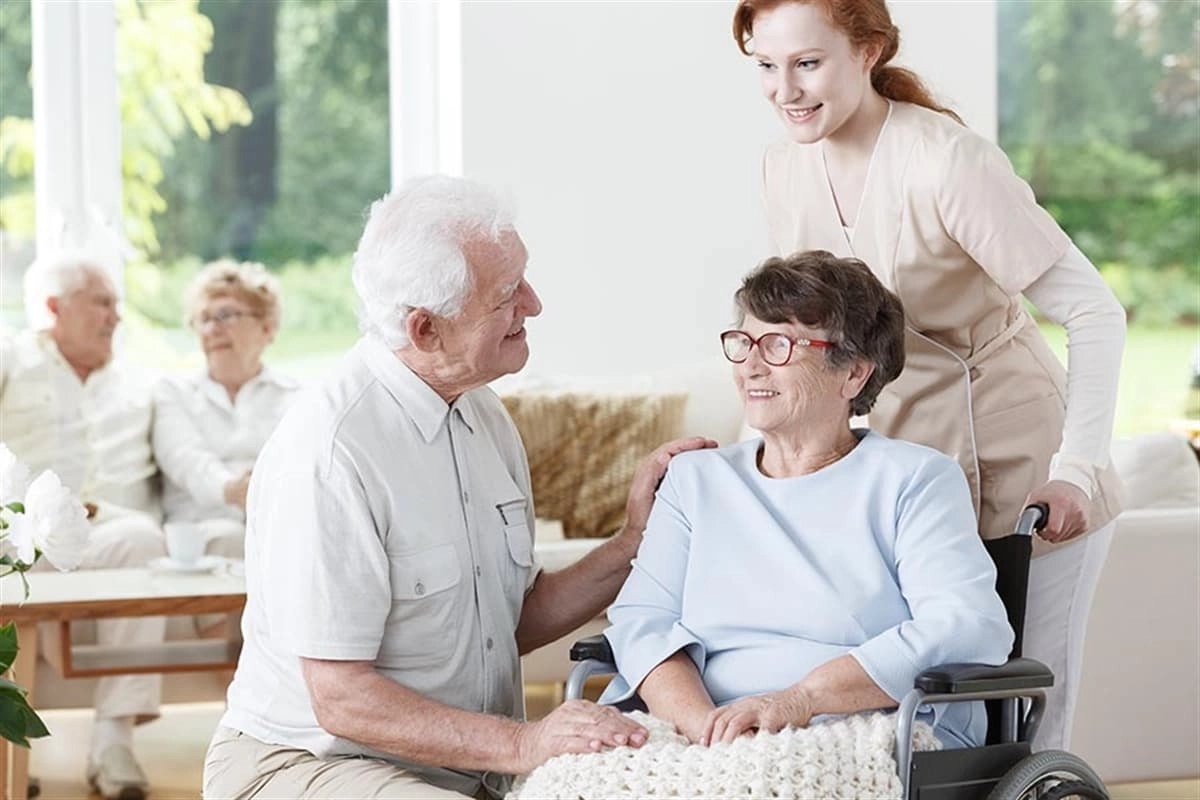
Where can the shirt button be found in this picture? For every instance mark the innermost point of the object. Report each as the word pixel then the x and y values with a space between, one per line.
pixel 490 643
pixel 478 571
pixel 419 588
pixel 466 498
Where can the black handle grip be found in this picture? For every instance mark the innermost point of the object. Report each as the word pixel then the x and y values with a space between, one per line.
pixel 1033 518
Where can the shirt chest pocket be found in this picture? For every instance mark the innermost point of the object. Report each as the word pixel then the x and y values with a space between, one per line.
pixel 425 607
pixel 517 537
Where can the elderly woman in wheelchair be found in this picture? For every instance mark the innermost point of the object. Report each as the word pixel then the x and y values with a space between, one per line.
pixel 819 570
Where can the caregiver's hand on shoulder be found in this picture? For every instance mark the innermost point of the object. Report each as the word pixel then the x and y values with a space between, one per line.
pixel 649 475
pixel 763 712
pixel 1068 510
pixel 577 726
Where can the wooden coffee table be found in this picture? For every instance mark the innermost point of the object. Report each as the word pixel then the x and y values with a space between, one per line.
pixel 63 597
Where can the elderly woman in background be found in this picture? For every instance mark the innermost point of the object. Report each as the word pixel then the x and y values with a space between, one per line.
pixel 819 569
pixel 210 425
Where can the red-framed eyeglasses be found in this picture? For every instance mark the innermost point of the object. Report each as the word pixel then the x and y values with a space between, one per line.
pixel 775 348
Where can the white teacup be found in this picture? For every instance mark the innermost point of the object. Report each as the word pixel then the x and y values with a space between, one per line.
pixel 185 542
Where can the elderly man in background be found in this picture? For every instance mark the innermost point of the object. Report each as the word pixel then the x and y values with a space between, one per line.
pixel 390 571
pixel 66 407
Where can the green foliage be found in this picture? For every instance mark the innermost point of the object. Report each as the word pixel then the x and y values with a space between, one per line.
pixel 16 129
pixel 1099 112
pixel 1159 297
pixel 8 646
pixel 329 101
pixel 1159 231
pixel 316 296
pixel 1155 374
pixel 333 96
pixel 18 722
pixel 160 64
pixel 163 97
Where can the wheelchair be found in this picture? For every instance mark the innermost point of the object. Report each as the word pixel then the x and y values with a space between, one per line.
pixel 1005 768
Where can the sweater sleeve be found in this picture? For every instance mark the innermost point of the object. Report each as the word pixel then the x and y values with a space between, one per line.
pixel 948 581
pixel 646 617
pixel 1073 294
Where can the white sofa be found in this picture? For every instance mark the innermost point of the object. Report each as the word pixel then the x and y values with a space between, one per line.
pixel 1138 716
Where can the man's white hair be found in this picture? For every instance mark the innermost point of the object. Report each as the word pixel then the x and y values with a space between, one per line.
pixel 411 251
pixel 58 274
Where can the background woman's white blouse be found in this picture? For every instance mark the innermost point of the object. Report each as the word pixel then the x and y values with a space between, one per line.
pixel 202 440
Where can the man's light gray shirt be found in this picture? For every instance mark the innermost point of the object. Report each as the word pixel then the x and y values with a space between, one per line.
pixel 385 525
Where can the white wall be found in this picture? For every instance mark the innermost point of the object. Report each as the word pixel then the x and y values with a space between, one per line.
pixel 952 46
pixel 629 134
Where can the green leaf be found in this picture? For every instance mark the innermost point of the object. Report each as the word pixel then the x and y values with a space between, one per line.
pixel 34 727
pixel 8 645
pixel 16 506
pixel 12 719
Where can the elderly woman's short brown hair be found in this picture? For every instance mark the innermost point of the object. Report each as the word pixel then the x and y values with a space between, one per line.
pixel 839 296
pixel 246 281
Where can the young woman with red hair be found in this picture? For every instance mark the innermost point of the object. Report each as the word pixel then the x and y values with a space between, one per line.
pixel 874 168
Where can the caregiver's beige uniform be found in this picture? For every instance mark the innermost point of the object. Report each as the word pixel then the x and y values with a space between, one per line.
pixel 948 226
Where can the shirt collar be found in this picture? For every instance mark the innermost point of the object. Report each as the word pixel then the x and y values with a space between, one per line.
pixel 265 375
pixel 49 348
pixel 423 405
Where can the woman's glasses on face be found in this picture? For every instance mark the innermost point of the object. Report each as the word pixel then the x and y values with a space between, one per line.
pixel 775 348
pixel 222 319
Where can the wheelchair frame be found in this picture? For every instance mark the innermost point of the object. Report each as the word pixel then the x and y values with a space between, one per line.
pixel 1002 769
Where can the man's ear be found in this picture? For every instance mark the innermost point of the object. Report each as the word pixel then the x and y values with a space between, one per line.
pixel 53 305
pixel 422 329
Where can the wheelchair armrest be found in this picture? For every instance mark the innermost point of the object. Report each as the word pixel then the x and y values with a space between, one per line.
pixel 593 647
pixel 1018 673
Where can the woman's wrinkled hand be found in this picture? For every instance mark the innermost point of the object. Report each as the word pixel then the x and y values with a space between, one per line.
pixel 1068 516
pixel 764 712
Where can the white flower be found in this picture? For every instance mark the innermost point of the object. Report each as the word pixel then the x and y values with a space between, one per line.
pixel 58 520
pixel 18 538
pixel 14 477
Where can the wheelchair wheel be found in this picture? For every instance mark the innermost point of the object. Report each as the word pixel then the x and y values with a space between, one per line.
pixel 1050 775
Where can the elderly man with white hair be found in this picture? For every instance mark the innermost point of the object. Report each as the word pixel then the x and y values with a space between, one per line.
pixel 66 407
pixel 390 571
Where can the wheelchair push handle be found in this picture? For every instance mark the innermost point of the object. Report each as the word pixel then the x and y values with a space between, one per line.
pixel 1033 518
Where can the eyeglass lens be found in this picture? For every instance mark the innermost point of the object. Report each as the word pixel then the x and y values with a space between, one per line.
pixel 222 317
pixel 775 348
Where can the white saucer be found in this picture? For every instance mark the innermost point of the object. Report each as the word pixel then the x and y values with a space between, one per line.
pixel 197 567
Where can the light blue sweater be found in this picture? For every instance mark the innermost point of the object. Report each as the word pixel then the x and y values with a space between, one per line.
pixel 761 580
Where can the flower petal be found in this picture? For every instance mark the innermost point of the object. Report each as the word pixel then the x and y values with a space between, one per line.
pixel 14 476
pixel 58 519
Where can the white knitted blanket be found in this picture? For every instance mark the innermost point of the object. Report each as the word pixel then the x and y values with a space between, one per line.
pixel 849 757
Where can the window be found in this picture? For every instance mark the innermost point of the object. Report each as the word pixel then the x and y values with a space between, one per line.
pixel 272 153
pixel 17 220
pixel 1100 111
